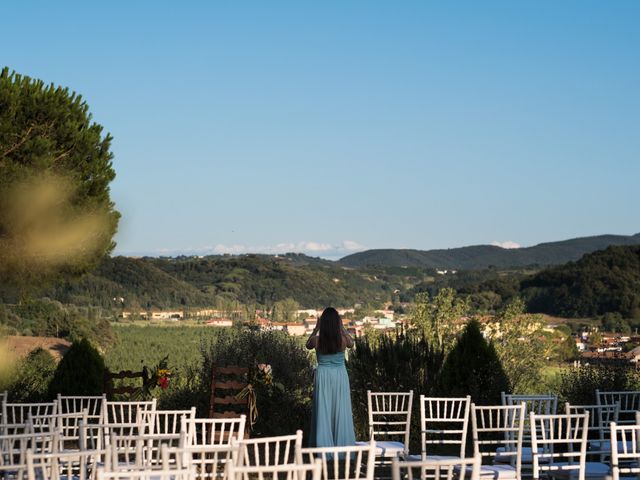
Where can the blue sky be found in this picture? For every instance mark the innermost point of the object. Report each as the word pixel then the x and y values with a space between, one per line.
pixel 329 127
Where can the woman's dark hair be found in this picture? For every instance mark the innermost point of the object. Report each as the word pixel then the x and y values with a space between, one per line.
pixel 330 339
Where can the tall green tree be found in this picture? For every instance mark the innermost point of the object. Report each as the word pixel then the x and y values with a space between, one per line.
pixel 438 318
pixel 521 345
pixel 56 215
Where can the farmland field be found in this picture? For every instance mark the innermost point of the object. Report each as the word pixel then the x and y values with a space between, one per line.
pixel 138 345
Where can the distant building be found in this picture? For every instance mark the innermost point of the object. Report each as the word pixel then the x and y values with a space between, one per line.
pixel 219 322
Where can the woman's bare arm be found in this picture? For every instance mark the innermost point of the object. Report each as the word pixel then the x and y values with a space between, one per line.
pixel 347 341
pixel 312 341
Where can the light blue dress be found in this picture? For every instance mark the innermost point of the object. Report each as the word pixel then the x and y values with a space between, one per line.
pixel 332 417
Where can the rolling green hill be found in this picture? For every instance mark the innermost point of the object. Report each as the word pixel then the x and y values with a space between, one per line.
pixel 485 256
pixel 606 281
pixel 160 283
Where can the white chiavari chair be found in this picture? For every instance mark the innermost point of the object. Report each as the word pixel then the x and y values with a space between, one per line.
pixel 66 424
pixel 600 418
pixel 127 413
pixel 389 423
pixel 559 447
pixel 13 451
pixel 311 471
pixel 629 404
pixel 214 431
pixel 174 466
pixel 280 450
pixel 80 465
pixel 444 423
pixel 498 427
pixel 171 421
pixel 538 404
pixel 209 462
pixel 442 469
pixel 343 463
pixel 625 451
pixel 93 404
pixel 142 451
pixel 16 415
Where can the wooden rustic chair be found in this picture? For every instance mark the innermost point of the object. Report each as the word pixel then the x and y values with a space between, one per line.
pixel 226 383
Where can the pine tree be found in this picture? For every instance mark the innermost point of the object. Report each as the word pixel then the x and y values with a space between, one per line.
pixel 473 368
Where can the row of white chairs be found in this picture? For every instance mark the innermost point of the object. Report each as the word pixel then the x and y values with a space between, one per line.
pixel 559 446
pixel 445 421
pixel 207 433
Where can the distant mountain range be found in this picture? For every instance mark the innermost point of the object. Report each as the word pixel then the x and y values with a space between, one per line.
pixel 484 256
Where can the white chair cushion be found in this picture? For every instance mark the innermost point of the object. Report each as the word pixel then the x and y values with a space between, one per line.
pixel 387 448
pixel 593 470
pixel 605 446
pixel 412 458
pixel 495 472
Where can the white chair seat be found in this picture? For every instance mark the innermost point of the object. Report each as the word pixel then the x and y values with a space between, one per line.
pixel 605 445
pixel 592 470
pixel 418 458
pixel 496 472
pixel 387 448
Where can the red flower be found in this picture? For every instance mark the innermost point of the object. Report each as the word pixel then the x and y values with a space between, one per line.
pixel 163 382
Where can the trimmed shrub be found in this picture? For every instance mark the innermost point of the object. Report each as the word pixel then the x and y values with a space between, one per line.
pixel 80 372
pixel 578 385
pixel 473 368
pixel 34 374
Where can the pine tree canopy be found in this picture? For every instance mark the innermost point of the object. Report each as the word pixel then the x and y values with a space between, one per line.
pixel 56 215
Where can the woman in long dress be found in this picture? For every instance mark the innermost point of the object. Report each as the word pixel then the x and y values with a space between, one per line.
pixel 332 417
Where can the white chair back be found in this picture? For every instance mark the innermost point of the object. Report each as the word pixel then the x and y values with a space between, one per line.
pixel 538 404
pixel 171 421
pixel 93 404
pixel 214 431
pixel 312 471
pixel 142 451
pixel 498 431
pixel 600 418
pixel 442 469
pixel 13 451
pixel 625 451
pixel 559 444
pixel 444 422
pixel 67 425
pixel 343 463
pixel 268 451
pixel 390 416
pixel 126 413
pixel 629 404
pixel 18 413
pixel 64 465
pixel 210 462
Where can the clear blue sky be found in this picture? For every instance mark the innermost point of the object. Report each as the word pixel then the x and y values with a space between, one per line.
pixel 331 126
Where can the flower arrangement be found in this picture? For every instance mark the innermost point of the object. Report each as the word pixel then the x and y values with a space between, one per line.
pixel 157 376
